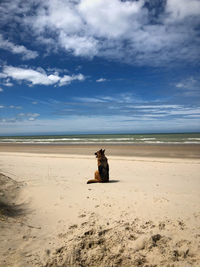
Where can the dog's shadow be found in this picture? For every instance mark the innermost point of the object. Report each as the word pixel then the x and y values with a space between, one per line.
pixel 113 181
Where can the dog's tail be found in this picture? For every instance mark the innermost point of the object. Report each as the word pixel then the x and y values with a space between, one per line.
pixel 93 181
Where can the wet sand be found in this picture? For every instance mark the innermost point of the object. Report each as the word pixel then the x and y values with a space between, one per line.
pixel 139 150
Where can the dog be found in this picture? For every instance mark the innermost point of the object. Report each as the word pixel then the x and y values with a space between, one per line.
pixel 102 175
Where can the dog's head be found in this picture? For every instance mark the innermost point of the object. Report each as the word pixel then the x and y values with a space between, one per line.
pixel 100 153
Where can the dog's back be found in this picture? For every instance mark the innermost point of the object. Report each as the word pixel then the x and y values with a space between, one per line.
pixel 103 168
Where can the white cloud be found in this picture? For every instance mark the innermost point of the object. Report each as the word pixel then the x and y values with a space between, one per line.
pixel 89 100
pixel 189 87
pixel 54 78
pixel 66 79
pixel 56 14
pixel 1 90
pixel 21 114
pixel 6 82
pixel 111 20
pixel 122 29
pixel 11 107
pixel 34 115
pixel 181 9
pixel 101 80
pixel 2 75
pixel 126 103
pixel 184 111
pixel 19 118
pixel 188 83
pixel 39 76
pixel 123 98
pixel 156 106
pixel 165 110
pixel 29 75
pixel 14 107
pixel 194 116
pixel 180 85
pixel 79 46
pixel 17 49
pixel 99 124
pixel 128 31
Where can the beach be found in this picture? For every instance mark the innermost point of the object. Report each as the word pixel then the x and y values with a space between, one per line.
pixel 148 215
pixel 141 150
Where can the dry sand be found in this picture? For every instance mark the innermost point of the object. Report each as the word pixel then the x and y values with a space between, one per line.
pixel 148 215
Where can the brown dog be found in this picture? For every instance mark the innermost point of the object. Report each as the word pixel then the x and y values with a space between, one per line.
pixel 102 175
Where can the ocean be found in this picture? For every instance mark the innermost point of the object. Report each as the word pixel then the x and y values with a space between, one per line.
pixel 185 138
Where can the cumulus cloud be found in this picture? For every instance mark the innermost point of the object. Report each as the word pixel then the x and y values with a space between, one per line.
pixel 182 9
pixel 2 75
pixel 29 75
pixel 5 80
pixel 17 49
pixel 110 20
pixel 66 79
pixel 78 45
pixel 38 76
pixel 138 32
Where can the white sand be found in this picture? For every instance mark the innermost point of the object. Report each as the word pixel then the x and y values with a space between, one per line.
pixel 148 214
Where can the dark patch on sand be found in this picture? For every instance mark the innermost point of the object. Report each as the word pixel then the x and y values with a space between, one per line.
pixel 9 191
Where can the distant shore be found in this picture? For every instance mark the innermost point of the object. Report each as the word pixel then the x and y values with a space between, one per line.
pixel 139 150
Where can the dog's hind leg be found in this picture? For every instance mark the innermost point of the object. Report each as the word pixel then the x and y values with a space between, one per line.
pixel 97 176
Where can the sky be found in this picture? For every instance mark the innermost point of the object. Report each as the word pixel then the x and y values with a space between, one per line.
pixel 100 66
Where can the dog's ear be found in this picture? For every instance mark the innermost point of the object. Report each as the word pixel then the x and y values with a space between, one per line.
pixel 103 151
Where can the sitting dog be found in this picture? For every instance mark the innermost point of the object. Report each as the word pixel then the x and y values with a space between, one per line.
pixel 102 175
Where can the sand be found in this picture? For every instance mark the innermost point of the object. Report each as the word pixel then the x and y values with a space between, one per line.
pixel 133 150
pixel 148 215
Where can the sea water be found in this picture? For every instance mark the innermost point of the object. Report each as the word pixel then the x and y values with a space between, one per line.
pixel 184 138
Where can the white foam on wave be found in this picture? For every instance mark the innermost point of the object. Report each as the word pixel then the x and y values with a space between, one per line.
pixel 101 140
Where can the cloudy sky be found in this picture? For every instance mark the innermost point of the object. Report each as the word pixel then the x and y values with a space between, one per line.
pixel 100 66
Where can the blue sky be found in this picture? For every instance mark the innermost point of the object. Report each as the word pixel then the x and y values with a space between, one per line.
pixel 98 66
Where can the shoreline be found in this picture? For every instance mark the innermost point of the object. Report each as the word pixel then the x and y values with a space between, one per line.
pixel 133 150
